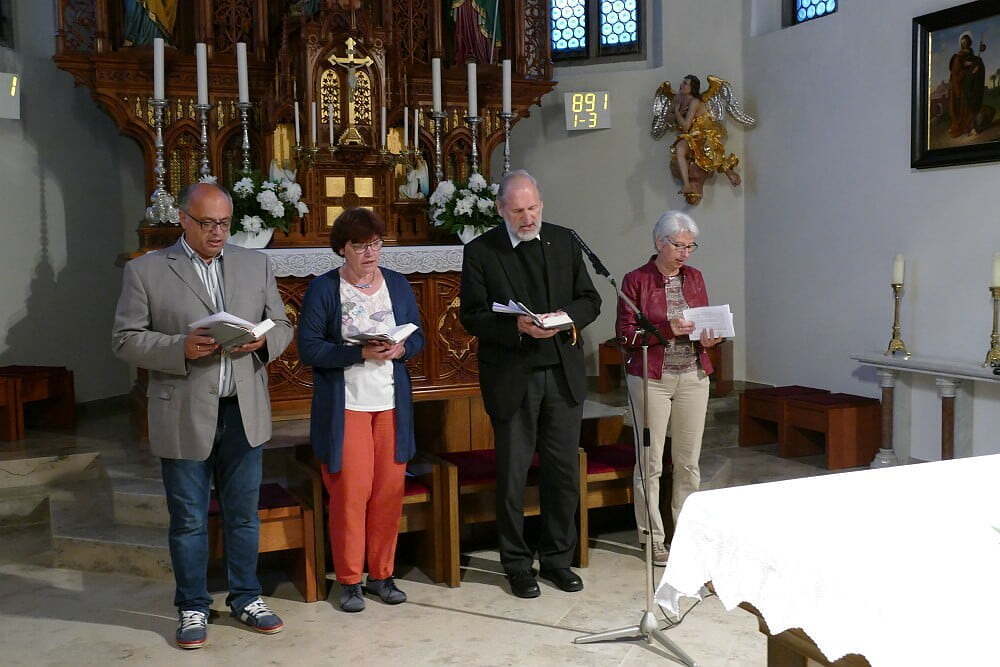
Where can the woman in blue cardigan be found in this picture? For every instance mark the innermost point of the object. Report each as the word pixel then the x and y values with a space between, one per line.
pixel 362 410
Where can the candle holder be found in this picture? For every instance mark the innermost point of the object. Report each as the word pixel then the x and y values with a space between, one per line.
pixel 204 170
pixel 507 118
pixel 993 356
pixel 161 210
pixel 245 123
pixel 391 158
pixel 438 118
pixel 305 155
pixel 473 123
pixel 897 344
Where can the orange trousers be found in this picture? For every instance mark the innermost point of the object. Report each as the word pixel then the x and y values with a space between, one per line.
pixel 366 497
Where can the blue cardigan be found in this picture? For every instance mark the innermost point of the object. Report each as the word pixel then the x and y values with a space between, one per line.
pixel 322 347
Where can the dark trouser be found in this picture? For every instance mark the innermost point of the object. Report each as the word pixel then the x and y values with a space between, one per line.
pixel 549 417
pixel 235 467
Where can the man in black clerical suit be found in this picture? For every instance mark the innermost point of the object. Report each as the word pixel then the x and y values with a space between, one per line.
pixel 533 379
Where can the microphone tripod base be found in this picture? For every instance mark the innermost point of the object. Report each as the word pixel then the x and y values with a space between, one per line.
pixel 647 629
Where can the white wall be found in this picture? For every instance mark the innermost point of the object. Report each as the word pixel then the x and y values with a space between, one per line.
pixel 612 185
pixel 69 191
pixel 831 198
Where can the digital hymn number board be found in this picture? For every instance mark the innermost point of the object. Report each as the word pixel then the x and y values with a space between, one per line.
pixel 587 110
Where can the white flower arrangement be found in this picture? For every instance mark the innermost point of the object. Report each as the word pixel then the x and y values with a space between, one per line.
pixel 260 203
pixel 453 207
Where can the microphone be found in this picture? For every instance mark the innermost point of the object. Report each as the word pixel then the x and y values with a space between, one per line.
pixel 598 265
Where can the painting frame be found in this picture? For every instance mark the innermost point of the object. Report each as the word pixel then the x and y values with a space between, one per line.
pixel 922 154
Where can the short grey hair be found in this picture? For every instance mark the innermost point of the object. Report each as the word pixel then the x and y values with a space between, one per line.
pixel 191 190
pixel 517 175
pixel 671 223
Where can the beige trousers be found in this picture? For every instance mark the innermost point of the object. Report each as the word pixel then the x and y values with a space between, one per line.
pixel 680 400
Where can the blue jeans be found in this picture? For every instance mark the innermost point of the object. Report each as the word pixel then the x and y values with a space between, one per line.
pixel 235 467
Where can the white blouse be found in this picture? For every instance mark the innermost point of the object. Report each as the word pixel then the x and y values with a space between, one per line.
pixel 368 385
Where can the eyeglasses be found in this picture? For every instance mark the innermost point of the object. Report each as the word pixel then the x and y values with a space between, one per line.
pixel 690 247
pixel 361 248
pixel 207 225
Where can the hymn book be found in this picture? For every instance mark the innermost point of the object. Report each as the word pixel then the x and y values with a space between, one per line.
pixel 559 321
pixel 393 336
pixel 230 331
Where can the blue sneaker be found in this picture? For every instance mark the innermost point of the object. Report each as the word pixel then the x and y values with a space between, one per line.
pixel 192 628
pixel 259 617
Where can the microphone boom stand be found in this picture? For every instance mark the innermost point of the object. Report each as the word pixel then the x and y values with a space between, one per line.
pixel 648 627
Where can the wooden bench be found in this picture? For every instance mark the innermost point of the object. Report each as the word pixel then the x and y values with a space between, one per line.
pixel 762 413
pixel 426 508
pixel 286 523
pixel 50 386
pixel 609 363
pixel 848 425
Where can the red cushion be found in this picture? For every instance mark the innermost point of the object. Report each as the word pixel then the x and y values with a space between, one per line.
pixel 610 458
pixel 272 496
pixel 413 487
pixel 477 466
pixel 790 390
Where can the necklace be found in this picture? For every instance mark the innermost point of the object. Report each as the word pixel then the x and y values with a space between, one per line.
pixel 364 285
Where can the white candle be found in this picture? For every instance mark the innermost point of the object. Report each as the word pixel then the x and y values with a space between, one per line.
pixel 295 90
pixel 996 269
pixel 406 127
pixel 473 100
pixel 506 85
pixel 329 116
pixel 158 87
pixel 242 76
pixel 382 127
pixel 201 55
pixel 416 128
pixel 436 83
pixel 312 125
pixel 897 270
pixel 298 136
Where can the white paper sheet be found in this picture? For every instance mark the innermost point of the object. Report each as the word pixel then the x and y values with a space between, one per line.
pixel 717 318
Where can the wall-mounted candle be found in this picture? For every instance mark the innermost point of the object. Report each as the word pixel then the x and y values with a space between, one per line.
pixel 406 127
pixel 158 87
pixel 201 55
pixel 329 116
pixel 473 100
pixel 312 125
pixel 242 76
pixel 436 83
pixel 996 270
pixel 382 134
pixel 416 128
pixel 298 135
pixel 897 270
pixel 506 85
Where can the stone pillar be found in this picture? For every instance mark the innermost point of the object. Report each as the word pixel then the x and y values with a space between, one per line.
pixel 887 453
pixel 947 389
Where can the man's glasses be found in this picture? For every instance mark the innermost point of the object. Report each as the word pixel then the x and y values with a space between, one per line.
pixel 361 248
pixel 207 225
pixel 690 247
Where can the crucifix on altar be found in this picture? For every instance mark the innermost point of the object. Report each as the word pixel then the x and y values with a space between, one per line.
pixel 351 136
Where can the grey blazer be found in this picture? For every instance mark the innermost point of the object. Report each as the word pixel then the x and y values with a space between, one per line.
pixel 161 295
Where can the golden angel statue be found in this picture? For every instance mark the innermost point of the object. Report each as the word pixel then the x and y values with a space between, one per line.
pixel 700 149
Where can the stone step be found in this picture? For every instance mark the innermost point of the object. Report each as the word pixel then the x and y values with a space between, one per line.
pixel 139 502
pixel 45 468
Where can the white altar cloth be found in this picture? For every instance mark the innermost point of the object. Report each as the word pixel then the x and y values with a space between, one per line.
pixel 900 565
pixel 305 262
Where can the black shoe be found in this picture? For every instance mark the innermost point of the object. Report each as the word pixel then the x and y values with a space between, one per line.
pixel 523 584
pixel 564 578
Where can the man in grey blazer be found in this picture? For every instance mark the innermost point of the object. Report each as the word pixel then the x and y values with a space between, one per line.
pixel 209 411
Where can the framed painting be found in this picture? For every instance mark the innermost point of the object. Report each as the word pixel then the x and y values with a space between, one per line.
pixel 956 86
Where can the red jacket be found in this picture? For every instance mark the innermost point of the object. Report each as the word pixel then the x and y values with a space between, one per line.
pixel 645 287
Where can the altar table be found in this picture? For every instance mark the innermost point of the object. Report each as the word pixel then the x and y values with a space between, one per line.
pixel 900 565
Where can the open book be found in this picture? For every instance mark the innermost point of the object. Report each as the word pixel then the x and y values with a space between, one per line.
pixel 230 331
pixel 392 336
pixel 545 321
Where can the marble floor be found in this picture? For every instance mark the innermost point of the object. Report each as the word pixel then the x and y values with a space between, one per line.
pixel 58 616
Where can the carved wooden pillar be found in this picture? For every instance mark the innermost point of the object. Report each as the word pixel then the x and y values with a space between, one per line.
pixel 102 37
pixel 887 453
pixel 947 388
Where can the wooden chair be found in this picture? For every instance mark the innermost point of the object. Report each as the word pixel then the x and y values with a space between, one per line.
pixel 609 363
pixel 50 386
pixel 426 507
pixel 286 523
pixel 11 409
pixel 471 480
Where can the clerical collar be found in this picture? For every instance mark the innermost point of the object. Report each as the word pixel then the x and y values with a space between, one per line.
pixel 513 237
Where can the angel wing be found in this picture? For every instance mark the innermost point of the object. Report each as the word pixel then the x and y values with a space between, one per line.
pixel 663 110
pixel 720 98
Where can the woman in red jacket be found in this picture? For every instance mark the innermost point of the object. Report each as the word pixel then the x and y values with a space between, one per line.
pixel 678 372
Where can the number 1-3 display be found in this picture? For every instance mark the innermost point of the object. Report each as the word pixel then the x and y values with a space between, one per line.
pixel 588 110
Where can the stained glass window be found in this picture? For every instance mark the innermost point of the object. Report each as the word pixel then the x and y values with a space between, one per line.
pixel 569 27
pixel 619 25
pixel 806 10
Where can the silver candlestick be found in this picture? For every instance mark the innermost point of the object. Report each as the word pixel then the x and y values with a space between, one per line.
pixel 161 210
pixel 507 117
pixel 204 170
pixel 245 122
pixel 438 117
pixel 473 123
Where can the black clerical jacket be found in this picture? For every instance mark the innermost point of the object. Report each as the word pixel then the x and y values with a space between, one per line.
pixel 492 272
